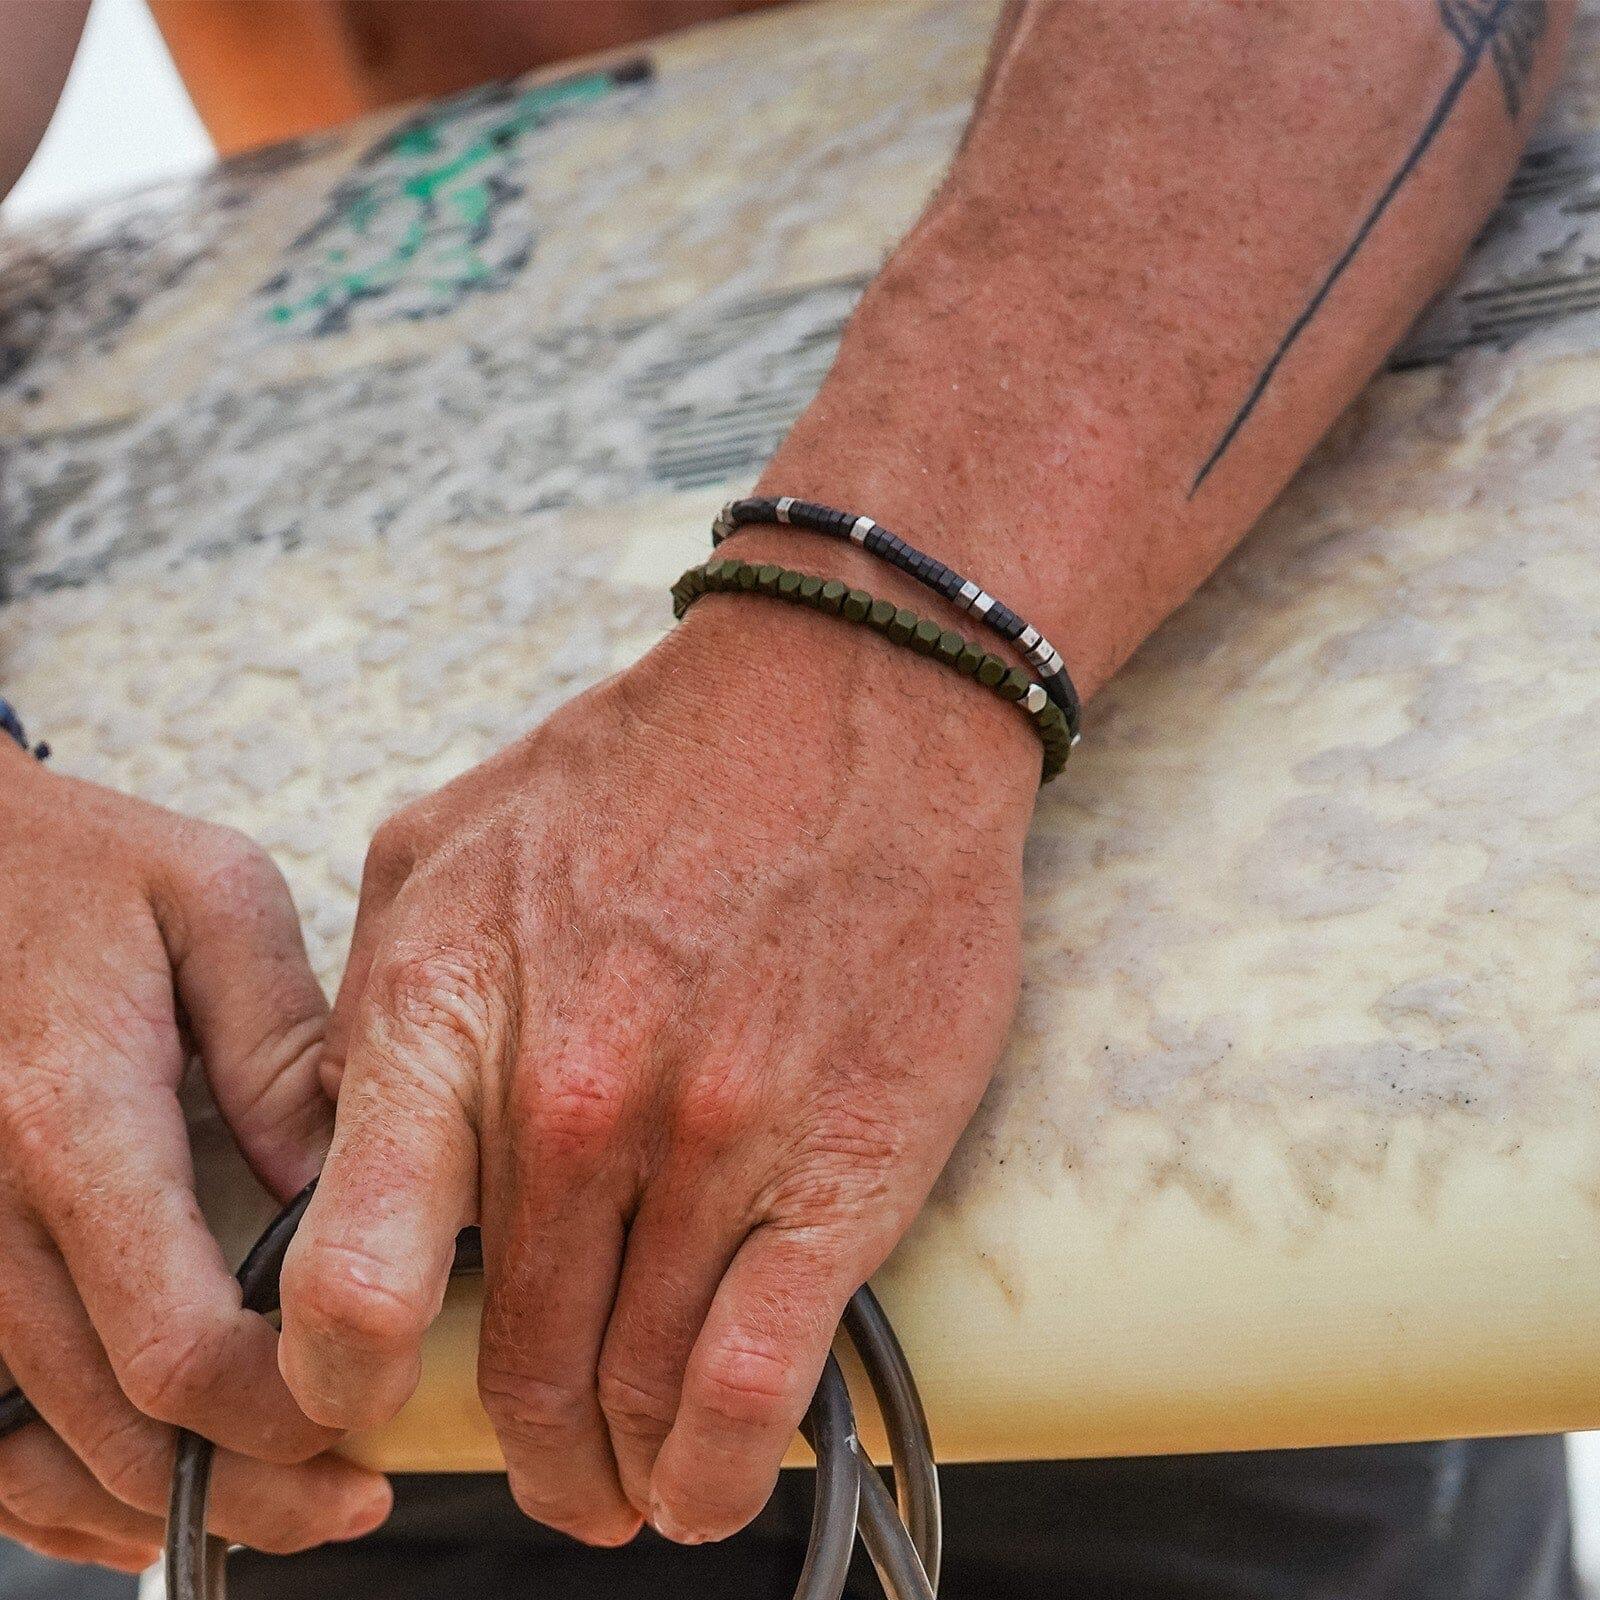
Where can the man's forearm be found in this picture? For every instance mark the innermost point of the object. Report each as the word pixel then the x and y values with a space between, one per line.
pixel 1176 242
pixel 37 44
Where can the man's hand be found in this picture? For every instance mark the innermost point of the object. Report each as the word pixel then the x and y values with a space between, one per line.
pixel 130 936
pixel 686 997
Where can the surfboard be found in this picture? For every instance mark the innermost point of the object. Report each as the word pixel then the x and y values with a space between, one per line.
pixel 319 472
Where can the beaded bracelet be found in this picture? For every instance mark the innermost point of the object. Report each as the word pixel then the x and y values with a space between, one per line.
pixel 927 570
pixel 896 624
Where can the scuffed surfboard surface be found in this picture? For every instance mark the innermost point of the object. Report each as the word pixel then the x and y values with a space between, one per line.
pixel 326 476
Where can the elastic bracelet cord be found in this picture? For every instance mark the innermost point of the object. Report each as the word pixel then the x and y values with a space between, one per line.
pixel 899 626
pixel 928 570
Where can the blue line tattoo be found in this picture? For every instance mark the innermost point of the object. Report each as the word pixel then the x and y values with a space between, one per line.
pixel 1508 32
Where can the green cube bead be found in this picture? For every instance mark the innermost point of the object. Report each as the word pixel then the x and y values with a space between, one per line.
pixel 991 670
pixel 832 596
pixel 1015 684
pixel 970 659
pixel 902 625
pixel 767 576
pixel 949 646
pixel 881 614
pixel 810 590
pixel 789 584
pixel 745 576
pixel 857 603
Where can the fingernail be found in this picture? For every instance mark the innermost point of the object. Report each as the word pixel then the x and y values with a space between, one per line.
pixel 371 1511
pixel 662 1521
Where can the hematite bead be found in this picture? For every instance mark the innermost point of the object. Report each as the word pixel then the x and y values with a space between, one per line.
pixel 1015 684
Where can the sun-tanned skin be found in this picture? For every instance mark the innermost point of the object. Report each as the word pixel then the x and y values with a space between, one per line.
pixel 687 995
pixel 37 43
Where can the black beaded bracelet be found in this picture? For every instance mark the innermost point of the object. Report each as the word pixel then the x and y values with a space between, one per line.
pixel 928 570
pixel 896 624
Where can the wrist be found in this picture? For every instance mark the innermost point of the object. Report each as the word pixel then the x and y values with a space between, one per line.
pixel 959 444
pixel 17 763
pixel 837 688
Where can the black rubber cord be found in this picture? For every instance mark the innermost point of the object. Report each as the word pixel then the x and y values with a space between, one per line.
pixel 904 1544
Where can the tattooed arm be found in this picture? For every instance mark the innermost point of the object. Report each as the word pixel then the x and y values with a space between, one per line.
pixel 688 994
pixel 1176 243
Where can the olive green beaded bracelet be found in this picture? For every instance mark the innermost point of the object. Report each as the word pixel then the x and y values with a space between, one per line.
pixel 896 624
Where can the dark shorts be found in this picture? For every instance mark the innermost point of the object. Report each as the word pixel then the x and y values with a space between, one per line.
pixel 1452 1521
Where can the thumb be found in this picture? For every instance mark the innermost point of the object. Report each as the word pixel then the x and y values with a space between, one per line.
pixel 253 1005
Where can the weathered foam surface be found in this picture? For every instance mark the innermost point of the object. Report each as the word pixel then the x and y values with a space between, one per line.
pixel 1297 1139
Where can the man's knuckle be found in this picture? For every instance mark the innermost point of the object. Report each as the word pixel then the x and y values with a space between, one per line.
pixel 574 1113
pixel 33 1496
pixel 528 1410
pixel 124 1459
pixel 714 1111
pixel 393 852
pixel 448 994
pixel 234 871
pixel 391 843
pixel 173 1369
pixel 748 1383
pixel 843 1167
pixel 856 1136
pixel 36 1110
pixel 350 1298
pixel 635 1408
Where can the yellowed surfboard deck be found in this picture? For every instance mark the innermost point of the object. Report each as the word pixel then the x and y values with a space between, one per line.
pixel 316 476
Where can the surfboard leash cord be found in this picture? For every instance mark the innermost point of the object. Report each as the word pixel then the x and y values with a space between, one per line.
pixel 901 1533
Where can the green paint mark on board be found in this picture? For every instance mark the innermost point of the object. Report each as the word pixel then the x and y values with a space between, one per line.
pixel 430 213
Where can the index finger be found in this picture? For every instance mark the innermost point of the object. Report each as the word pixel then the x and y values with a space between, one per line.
pixel 153 1280
pixel 366 1273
